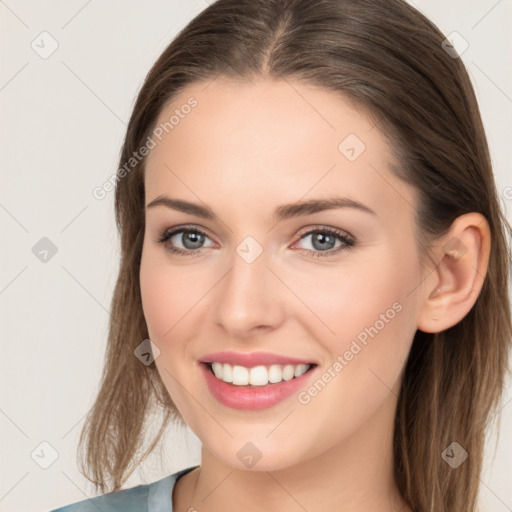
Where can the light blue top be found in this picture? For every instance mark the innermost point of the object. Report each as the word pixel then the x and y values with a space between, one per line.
pixel 154 497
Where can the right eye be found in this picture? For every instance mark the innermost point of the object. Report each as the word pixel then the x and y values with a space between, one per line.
pixel 190 238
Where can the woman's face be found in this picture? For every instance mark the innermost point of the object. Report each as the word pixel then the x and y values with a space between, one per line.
pixel 337 288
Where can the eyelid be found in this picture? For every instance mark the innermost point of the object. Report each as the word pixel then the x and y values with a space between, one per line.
pixel 185 227
pixel 326 229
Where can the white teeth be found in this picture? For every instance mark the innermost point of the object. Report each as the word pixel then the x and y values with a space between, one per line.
pixel 288 372
pixel 240 375
pixel 275 374
pixel 227 375
pixel 300 369
pixel 218 370
pixel 257 375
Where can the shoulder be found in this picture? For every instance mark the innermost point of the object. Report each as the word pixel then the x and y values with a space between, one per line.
pixel 153 497
pixel 128 500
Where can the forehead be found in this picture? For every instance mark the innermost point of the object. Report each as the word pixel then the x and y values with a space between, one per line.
pixel 272 140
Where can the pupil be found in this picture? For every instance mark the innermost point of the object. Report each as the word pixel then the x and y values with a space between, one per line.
pixel 192 240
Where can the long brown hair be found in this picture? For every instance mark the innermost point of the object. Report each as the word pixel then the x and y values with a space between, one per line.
pixel 389 59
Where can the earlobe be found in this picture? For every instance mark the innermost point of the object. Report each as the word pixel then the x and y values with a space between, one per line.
pixel 451 290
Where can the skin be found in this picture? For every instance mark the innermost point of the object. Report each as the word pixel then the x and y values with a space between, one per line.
pixel 244 150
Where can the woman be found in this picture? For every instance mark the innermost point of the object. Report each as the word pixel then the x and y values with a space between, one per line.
pixel 312 241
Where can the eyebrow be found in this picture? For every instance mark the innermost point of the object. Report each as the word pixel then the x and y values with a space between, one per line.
pixel 283 212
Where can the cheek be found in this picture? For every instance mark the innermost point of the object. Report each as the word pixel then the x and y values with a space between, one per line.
pixel 365 320
pixel 156 303
pixel 167 295
pixel 343 301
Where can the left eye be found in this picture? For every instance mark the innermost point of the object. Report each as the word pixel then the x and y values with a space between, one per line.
pixel 324 241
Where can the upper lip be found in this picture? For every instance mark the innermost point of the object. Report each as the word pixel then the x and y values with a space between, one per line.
pixel 251 359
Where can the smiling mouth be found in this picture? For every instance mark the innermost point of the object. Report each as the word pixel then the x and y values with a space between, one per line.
pixel 257 376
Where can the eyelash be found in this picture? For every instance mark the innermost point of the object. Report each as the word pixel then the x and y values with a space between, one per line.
pixel 347 240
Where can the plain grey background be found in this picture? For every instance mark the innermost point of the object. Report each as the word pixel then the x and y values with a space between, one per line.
pixel 70 71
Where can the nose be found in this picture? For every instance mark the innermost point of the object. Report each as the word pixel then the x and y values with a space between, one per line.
pixel 250 299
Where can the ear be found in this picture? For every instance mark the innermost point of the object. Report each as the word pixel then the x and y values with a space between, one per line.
pixel 451 289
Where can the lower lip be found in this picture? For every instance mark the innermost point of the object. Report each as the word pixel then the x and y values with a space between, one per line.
pixel 252 398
